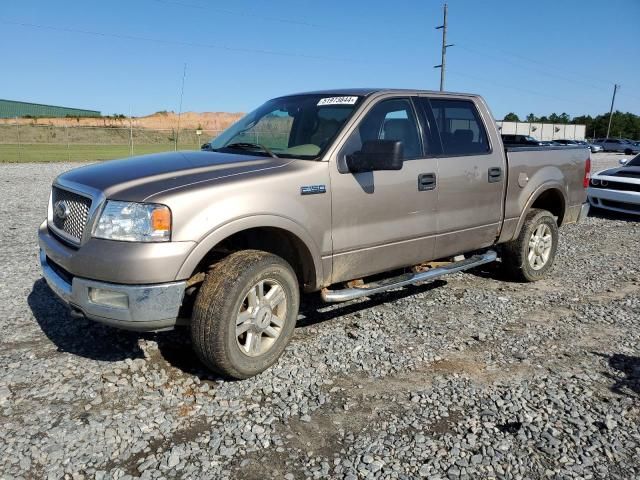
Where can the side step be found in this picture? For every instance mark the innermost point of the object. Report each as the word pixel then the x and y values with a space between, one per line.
pixel 346 294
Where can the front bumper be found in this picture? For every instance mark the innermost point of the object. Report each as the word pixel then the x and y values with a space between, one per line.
pixel 615 200
pixel 148 307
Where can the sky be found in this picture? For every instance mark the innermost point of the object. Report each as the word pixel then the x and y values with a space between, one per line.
pixel 122 56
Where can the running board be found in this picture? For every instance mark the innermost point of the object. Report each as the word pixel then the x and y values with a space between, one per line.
pixel 346 294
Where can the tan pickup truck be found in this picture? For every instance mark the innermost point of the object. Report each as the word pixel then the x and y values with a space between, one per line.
pixel 313 192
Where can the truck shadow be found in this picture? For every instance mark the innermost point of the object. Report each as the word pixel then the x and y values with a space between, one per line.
pixel 629 367
pixel 313 310
pixel 88 339
pixel 94 341
pixel 77 335
pixel 611 215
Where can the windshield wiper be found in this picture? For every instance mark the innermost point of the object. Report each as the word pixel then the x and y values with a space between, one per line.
pixel 251 146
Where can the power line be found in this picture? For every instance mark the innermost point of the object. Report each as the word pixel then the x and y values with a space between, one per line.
pixel 518 89
pixel 499 49
pixel 236 13
pixel 173 42
pixel 530 68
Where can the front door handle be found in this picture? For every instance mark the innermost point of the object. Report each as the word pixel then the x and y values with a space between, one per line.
pixel 426 181
pixel 495 174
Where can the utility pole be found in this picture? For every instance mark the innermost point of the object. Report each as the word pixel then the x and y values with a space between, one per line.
pixel 613 99
pixel 130 133
pixel 184 74
pixel 443 61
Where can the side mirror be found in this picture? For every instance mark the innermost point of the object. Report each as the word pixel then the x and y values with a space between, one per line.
pixel 623 161
pixel 376 155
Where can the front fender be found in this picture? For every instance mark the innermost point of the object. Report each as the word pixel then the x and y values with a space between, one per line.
pixel 220 233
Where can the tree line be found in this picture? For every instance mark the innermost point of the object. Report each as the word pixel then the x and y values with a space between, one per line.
pixel 623 125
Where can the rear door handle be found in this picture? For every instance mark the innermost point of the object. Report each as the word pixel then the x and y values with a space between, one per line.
pixel 495 174
pixel 426 181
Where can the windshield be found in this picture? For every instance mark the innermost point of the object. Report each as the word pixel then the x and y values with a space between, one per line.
pixel 299 126
pixel 634 162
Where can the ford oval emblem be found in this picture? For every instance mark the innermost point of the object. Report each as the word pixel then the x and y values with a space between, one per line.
pixel 61 210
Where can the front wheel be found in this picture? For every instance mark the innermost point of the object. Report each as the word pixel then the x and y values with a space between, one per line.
pixel 245 313
pixel 530 256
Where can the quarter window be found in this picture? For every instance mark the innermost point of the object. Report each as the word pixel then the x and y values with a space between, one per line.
pixel 461 129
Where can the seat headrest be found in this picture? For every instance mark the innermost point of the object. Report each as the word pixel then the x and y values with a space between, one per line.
pixel 463 136
pixel 397 129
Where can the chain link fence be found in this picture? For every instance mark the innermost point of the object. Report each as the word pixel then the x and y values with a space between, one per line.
pixel 45 143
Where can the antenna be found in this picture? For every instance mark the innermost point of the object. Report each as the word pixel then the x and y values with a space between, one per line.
pixel 184 74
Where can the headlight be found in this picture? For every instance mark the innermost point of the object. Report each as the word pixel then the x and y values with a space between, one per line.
pixel 595 182
pixel 134 222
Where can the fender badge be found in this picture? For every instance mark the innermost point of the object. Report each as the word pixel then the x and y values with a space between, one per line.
pixel 312 189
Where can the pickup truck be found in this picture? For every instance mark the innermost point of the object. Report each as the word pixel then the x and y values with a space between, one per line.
pixel 343 192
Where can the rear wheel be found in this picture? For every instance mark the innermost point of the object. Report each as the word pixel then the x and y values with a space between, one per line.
pixel 245 313
pixel 530 256
pixel 628 151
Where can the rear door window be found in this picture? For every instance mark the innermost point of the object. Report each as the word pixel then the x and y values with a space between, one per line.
pixel 461 129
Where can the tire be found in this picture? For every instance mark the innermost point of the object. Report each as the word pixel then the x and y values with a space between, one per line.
pixel 516 260
pixel 225 306
pixel 628 151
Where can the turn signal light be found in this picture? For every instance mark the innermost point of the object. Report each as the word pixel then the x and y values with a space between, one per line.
pixel 161 219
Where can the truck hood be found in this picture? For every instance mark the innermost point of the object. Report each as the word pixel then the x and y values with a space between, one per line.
pixel 627 172
pixel 137 178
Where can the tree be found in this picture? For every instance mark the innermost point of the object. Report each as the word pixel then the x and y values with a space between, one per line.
pixel 511 117
pixel 532 118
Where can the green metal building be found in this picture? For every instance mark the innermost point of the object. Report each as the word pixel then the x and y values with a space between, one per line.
pixel 12 109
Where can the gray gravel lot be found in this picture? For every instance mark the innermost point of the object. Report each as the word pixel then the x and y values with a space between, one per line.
pixel 470 377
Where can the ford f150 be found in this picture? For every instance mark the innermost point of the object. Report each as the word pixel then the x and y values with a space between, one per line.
pixel 313 192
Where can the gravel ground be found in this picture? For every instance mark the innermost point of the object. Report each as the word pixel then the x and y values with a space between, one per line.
pixel 471 377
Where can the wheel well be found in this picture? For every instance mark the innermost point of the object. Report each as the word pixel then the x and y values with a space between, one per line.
pixel 551 200
pixel 269 239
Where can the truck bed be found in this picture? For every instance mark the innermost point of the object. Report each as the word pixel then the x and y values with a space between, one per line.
pixel 533 169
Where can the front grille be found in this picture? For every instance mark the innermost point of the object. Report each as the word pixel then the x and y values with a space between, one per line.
pixel 77 212
pixel 621 186
pixel 621 205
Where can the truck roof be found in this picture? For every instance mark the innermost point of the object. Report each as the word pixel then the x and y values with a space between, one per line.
pixel 369 91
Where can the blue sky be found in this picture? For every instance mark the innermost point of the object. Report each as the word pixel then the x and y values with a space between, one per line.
pixel 544 56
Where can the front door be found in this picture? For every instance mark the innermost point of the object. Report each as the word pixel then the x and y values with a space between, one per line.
pixel 471 177
pixel 383 219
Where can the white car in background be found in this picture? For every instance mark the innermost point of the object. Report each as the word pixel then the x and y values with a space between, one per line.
pixel 617 189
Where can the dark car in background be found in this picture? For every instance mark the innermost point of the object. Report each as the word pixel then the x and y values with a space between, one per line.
pixel 523 141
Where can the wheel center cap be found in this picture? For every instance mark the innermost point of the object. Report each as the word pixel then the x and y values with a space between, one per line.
pixel 540 247
pixel 263 317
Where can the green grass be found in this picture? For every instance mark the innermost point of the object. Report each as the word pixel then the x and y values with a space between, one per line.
pixel 14 153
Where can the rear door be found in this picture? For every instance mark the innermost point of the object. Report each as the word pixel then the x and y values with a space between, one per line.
pixel 471 175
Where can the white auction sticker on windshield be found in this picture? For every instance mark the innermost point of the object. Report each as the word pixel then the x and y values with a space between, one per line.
pixel 338 101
